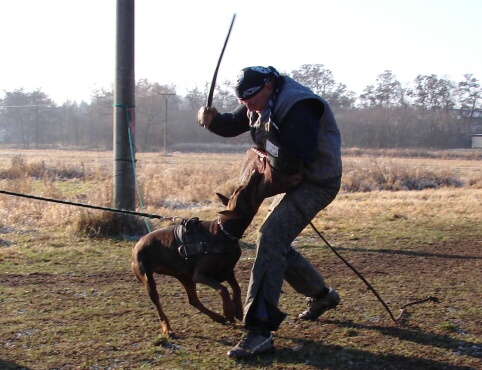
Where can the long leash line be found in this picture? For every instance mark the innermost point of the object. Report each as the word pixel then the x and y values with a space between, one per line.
pixel 356 272
pixel 402 309
pixel 116 210
pixel 373 290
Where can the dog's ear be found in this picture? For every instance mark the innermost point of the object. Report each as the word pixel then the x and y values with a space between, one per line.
pixel 224 199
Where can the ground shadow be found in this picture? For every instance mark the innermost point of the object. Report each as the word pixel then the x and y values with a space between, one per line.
pixel 325 356
pixel 8 365
pixel 467 348
pixel 403 253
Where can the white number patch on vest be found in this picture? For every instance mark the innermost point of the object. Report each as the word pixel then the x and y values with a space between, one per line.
pixel 272 149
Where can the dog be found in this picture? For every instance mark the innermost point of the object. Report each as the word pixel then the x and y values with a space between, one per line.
pixel 200 252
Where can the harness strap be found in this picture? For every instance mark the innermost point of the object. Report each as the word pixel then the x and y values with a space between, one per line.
pixel 192 244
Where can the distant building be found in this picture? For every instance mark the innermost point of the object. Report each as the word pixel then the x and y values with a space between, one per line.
pixel 477 141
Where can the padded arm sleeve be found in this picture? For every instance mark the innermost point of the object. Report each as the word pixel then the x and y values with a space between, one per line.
pixel 231 124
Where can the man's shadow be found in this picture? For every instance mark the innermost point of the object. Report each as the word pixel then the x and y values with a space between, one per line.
pixel 316 354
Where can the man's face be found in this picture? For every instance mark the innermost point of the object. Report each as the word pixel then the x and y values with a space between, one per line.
pixel 260 101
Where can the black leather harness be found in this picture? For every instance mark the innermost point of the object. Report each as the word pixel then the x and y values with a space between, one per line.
pixel 193 245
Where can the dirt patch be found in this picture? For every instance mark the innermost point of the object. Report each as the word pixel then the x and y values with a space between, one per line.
pixel 104 320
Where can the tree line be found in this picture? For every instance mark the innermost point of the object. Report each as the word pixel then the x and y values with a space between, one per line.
pixel 430 112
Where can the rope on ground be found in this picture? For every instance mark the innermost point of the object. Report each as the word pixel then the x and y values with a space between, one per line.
pixel 402 310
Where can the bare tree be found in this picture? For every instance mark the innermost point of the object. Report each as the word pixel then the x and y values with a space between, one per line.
pixel 387 92
pixel 151 112
pixel 433 93
pixel 224 98
pixel 341 98
pixel 26 116
pixel 321 81
pixel 196 98
pixel 470 96
pixel 316 77
pixel 100 128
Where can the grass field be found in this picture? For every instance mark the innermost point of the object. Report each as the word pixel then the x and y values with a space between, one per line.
pixel 70 301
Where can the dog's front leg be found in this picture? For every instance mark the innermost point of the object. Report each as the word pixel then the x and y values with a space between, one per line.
pixel 190 287
pixel 228 305
pixel 238 305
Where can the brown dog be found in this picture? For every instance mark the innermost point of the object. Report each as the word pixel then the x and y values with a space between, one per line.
pixel 203 252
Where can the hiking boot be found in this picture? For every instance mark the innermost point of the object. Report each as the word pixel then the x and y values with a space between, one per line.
pixel 317 306
pixel 253 343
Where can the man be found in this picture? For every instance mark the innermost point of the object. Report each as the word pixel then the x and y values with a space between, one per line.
pixel 297 130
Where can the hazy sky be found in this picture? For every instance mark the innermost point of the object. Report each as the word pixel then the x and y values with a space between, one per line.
pixel 67 48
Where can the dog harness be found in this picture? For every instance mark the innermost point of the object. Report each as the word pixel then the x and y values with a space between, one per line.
pixel 193 245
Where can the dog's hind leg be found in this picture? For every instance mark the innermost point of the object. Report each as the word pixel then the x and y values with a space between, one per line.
pixel 194 301
pixel 145 276
pixel 154 296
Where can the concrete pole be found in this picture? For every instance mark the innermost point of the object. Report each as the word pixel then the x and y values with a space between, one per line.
pixel 124 108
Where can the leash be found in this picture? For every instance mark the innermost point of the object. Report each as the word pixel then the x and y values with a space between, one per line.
pixel 116 210
pixel 402 309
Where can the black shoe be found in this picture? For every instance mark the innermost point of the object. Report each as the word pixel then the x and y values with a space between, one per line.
pixel 253 343
pixel 317 306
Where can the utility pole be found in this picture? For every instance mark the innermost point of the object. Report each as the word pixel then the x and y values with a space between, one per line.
pixel 37 128
pixel 166 98
pixel 124 108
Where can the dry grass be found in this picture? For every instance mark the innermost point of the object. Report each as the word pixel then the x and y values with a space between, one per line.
pixel 190 181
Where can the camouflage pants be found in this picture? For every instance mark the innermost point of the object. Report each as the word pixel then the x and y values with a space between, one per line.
pixel 276 260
